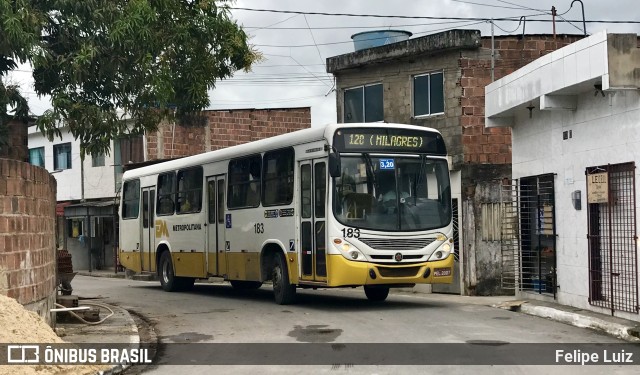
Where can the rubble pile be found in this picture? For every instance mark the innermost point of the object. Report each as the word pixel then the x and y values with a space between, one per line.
pixel 17 325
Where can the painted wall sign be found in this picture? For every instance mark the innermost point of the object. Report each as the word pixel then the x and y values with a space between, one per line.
pixel 598 187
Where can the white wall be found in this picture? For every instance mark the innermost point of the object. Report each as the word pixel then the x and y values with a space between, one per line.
pixel 98 181
pixel 605 130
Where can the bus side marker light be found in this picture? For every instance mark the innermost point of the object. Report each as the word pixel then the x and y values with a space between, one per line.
pixel 372 274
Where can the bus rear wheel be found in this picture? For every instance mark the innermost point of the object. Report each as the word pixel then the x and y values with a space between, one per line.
pixel 245 285
pixel 376 293
pixel 168 280
pixel 283 291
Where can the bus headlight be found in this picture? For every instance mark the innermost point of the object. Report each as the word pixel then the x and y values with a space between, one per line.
pixel 442 252
pixel 349 251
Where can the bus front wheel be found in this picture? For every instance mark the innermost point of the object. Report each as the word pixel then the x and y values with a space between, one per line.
pixel 283 291
pixel 376 293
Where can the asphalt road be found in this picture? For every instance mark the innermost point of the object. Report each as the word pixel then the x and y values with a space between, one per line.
pixel 216 313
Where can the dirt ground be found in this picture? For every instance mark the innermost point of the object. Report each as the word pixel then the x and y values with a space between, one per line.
pixel 18 325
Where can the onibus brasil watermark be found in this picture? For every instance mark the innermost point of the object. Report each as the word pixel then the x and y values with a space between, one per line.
pixel 67 355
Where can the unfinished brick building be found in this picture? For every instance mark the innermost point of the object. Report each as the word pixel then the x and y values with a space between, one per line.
pixel 438 81
pixel 216 129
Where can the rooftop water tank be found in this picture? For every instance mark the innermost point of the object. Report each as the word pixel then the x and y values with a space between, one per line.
pixel 377 38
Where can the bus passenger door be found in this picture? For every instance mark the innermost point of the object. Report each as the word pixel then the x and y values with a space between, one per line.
pixel 313 195
pixel 147 250
pixel 216 264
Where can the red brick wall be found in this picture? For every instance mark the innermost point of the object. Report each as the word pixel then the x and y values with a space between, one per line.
pixel 16 148
pixel 493 146
pixel 224 129
pixel 27 232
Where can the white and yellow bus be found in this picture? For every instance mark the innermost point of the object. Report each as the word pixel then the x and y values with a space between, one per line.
pixel 344 205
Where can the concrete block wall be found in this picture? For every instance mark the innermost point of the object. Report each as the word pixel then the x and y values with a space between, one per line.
pixel 397 80
pixel 222 129
pixel 27 235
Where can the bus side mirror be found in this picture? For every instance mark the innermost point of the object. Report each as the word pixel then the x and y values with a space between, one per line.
pixel 334 165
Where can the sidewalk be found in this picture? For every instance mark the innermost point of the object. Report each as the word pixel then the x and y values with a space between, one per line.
pixel 119 328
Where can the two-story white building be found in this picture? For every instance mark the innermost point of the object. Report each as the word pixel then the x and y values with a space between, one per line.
pixel 87 193
pixel 570 229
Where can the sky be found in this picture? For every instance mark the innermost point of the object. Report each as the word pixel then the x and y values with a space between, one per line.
pixel 295 46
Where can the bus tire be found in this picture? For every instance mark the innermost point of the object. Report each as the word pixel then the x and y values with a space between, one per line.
pixel 167 279
pixel 376 293
pixel 283 291
pixel 245 285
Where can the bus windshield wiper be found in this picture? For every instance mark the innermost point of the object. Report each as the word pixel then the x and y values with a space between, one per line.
pixel 370 170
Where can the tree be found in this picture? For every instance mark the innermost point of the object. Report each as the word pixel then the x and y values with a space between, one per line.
pixel 19 34
pixel 107 61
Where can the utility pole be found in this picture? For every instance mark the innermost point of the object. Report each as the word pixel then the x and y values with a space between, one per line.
pixel 493 54
pixel 553 14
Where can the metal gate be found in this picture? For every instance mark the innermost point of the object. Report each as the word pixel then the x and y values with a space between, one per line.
pixel 613 258
pixel 510 234
pixel 528 234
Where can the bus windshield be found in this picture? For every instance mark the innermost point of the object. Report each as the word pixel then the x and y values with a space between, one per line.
pixel 392 193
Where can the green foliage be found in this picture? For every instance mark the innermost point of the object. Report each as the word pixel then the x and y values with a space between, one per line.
pixel 118 66
pixel 19 37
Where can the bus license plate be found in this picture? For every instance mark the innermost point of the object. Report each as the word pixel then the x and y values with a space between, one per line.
pixel 442 272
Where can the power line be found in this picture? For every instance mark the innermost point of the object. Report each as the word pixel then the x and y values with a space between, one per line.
pixel 523 7
pixel 312 38
pixel 483 19
pixel 367 39
pixel 361 27
pixel 487 5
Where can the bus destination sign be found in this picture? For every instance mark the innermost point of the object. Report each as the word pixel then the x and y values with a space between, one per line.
pixel 387 139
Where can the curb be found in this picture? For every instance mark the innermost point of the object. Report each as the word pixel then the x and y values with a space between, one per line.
pixel 615 329
pixel 101 274
pixel 134 340
pixel 621 331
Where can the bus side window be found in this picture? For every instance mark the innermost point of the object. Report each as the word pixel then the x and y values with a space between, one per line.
pixel 131 199
pixel 189 190
pixel 277 183
pixel 244 182
pixel 166 194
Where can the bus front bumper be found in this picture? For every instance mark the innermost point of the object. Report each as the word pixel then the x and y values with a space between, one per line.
pixel 343 272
